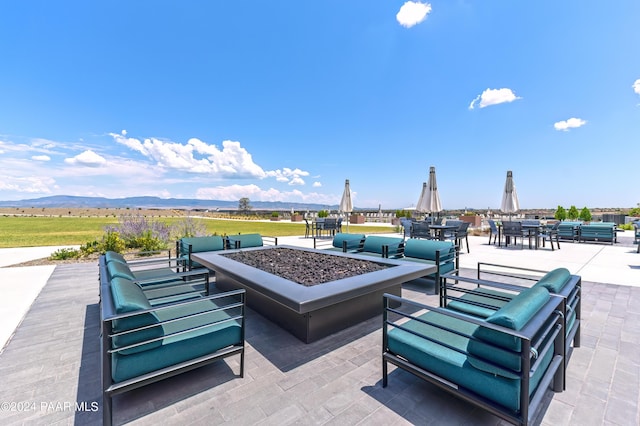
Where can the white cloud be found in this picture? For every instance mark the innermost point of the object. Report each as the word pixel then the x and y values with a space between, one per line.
pixel 317 184
pixel 636 86
pixel 37 184
pixel 493 97
pixel 412 13
pixel 87 158
pixel 255 193
pixel 41 158
pixel 572 123
pixel 292 176
pixel 196 156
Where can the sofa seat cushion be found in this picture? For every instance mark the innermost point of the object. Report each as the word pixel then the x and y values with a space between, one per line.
pixel 190 331
pixel 555 280
pixel 504 349
pixel 454 366
pixel 215 338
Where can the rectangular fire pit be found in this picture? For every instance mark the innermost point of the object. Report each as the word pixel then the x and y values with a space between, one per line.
pixel 313 312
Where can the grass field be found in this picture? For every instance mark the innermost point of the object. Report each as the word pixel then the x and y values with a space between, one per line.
pixel 28 231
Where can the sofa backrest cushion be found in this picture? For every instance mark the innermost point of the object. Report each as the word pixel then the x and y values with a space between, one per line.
pixel 353 240
pixel 426 249
pixel 246 240
pixel 201 244
pixel 514 315
pixel 121 270
pixel 373 244
pixel 554 280
pixel 128 297
pixel 112 256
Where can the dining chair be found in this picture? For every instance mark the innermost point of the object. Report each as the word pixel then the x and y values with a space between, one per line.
pixel 551 233
pixel 512 230
pixel 493 231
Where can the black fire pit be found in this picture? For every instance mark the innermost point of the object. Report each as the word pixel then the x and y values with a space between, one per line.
pixel 311 312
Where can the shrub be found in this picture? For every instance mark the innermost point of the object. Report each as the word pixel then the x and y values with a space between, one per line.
pixel 64 254
pixel 140 233
pixel 90 247
pixel 111 241
pixel 188 227
pixel 323 213
pixel 275 214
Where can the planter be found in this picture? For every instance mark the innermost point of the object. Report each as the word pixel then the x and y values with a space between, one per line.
pixel 356 219
pixel 474 220
pixel 275 219
pixel 396 221
pixel 296 218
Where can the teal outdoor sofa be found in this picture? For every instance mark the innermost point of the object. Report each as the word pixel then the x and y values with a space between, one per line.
pixel 598 232
pixel 443 254
pixel 482 297
pixel 569 230
pixel 504 363
pixel 144 340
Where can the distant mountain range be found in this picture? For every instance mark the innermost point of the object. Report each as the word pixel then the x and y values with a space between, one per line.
pixel 68 201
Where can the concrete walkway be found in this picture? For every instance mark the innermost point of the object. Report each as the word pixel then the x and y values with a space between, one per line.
pixel 19 286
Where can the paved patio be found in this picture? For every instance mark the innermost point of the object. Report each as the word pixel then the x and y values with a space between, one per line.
pixel 50 366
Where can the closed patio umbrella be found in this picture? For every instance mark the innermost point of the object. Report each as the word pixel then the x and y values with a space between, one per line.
pixel 510 202
pixel 429 201
pixel 422 201
pixel 346 206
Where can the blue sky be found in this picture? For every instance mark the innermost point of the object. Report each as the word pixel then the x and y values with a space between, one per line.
pixel 283 101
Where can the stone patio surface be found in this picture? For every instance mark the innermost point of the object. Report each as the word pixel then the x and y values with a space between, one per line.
pixel 49 368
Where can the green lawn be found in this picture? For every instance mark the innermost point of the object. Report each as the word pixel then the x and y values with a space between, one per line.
pixel 28 231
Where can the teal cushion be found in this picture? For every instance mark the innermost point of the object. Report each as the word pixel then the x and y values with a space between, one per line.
pixel 492 299
pixel 112 256
pixel 554 280
pixel 219 337
pixel 246 240
pixel 209 328
pixel 120 270
pixel 373 244
pixel 502 348
pixel 426 249
pixel 201 244
pixel 451 364
pixel 353 240
pixel 128 297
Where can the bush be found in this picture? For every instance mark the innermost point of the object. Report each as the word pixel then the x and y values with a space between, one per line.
pixel 323 213
pixel 140 233
pixel 90 248
pixel 111 241
pixel 188 227
pixel 64 254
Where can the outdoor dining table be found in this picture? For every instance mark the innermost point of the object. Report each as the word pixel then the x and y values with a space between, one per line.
pixel 533 230
pixel 440 230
